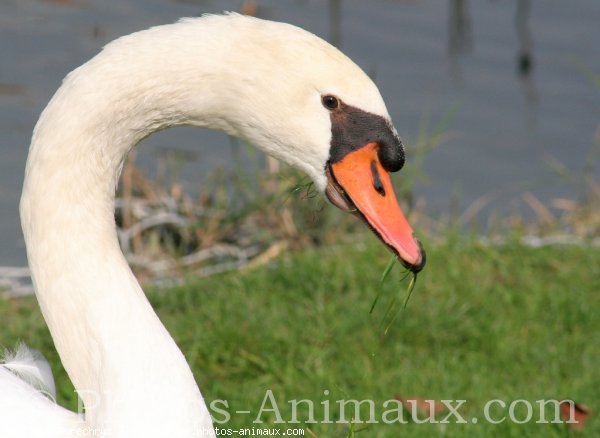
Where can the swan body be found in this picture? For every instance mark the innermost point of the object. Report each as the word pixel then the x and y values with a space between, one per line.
pixel 258 80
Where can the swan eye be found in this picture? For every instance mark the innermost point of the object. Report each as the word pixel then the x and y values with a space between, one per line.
pixel 330 102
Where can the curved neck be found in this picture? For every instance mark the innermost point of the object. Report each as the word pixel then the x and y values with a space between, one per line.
pixel 132 377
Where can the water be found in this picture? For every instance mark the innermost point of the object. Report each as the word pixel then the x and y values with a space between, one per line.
pixel 427 57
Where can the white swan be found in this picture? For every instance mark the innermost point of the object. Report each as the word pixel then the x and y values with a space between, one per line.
pixel 283 89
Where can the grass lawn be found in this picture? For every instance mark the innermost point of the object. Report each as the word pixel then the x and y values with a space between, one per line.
pixel 506 324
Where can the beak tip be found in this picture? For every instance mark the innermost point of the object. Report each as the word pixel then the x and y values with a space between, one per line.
pixel 417 263
pixel 418 267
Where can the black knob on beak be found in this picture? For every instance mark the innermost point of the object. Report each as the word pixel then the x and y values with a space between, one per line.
pixel 391 155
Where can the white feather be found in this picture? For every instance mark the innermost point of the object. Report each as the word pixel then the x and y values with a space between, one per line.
pixel 30 366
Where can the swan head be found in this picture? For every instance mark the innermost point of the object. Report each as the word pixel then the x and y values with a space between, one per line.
pixel 301 100
pixel 294 96
pixel 364 149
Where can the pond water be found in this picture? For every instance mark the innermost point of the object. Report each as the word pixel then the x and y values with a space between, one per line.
pixel 515 75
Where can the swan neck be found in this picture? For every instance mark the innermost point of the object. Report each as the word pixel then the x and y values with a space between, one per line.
pixel 112 344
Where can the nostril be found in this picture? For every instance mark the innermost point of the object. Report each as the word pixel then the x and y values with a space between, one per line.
pixel 377 184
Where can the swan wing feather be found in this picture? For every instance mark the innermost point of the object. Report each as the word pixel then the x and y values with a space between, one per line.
pixel 29 365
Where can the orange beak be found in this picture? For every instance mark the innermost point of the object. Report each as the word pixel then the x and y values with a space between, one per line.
pixel 358 182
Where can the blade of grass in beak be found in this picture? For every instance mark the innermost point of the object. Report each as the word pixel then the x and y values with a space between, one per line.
pixel 411 287
pixel 388 268
pixel 386 272
pixel 387 313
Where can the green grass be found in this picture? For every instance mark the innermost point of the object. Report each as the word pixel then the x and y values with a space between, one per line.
pixel 483 323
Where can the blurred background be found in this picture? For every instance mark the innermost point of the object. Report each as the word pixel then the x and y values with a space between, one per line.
pixel 507 89
pixel 498 105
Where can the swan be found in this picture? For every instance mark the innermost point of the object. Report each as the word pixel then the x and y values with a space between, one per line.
pixel 277 86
